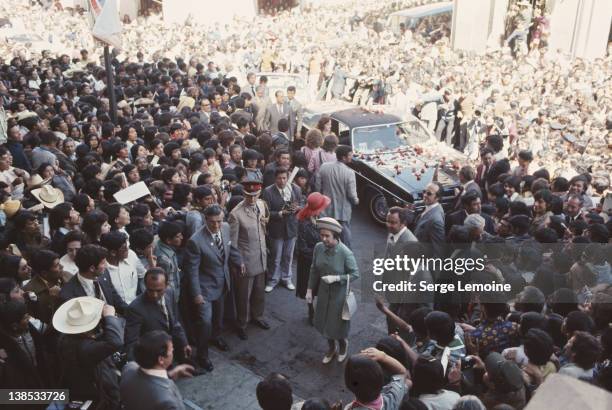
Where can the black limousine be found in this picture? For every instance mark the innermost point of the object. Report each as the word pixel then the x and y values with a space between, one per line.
pixel 394 157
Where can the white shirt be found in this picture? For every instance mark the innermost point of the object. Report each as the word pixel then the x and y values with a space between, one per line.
pixel 88 286
pixel 394 237
pixel 155 372
pixel 125 280
pixel 68 265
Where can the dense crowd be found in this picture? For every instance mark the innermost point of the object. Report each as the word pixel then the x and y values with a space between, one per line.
pixel 132 240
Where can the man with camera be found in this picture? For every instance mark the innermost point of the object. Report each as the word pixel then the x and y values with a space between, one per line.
pixel 282 198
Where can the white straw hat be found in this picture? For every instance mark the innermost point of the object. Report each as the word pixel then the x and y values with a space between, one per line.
pixel 78 315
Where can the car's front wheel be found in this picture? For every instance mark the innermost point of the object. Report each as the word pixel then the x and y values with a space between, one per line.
pixel 377 206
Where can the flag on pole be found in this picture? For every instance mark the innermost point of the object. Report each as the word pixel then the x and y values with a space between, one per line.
pixel 107 26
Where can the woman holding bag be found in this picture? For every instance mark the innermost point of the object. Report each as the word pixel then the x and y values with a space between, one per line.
pixel 332 272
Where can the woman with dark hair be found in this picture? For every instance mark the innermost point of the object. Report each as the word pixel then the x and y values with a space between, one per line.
pixel 137 151
pixel 324 125
pixel 129 135
pixel 95 224
pixel 26 233
pixel 333 267
pixel 15 267
pixel 181 197
pixel 140 218
pixel 10 290
pixel 512 187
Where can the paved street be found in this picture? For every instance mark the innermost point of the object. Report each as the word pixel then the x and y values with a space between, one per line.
pixel 291 347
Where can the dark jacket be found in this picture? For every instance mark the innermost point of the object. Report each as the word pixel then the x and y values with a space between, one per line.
pixel 20 160
pixel 86 362
pixel 143 316
pixel 73 289
pixel 458 217
pixel 279 226
pixel 160 393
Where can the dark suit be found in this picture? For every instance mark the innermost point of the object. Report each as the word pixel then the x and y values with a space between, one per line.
pixel 158 392
pixel 481 176
pixel 471 187
pixel 268 174
pixel 208 275
pixel 282 231
pixel 430 229
pixel 144 315
pixel 74 289
pixel 458 217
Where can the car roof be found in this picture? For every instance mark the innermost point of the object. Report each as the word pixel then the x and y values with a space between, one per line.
pixel 426 10
pixel 358 117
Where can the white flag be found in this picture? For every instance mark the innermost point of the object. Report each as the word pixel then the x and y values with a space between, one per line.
pixel 108 26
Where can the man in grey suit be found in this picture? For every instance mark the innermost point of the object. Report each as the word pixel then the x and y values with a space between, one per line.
pixel 147 383
pixel 207 265
pixel 296 114
pixel 468 185
pixel 430 223
pixel 274 112
pixel 251 85
pixel 337 181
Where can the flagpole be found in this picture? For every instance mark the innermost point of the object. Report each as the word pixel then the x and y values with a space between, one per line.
pixel 110 86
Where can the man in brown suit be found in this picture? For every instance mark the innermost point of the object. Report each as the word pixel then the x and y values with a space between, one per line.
pixel 248 233
pixel 46 284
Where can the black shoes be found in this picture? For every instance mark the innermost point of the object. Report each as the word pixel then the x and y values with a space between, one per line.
pixel 221 344
pixel 242 334
pixel 205 364
pixel 261 323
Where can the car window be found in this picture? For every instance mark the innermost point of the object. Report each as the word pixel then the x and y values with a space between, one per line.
pixel 389 136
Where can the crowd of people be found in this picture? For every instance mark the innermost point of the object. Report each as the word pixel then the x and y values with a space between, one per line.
pixel 113 294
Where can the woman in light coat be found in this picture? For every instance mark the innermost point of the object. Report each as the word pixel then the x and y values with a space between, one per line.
pixel 333 264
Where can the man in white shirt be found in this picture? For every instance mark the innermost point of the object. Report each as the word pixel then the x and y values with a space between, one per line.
pixel 123 274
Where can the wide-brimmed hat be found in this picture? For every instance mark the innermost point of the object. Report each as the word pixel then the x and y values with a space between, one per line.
pixel 315 204
pixel 78 315
pixel 11 207
pixel 48 196
pixel 252 186
pixel 330 224
pixel 35 181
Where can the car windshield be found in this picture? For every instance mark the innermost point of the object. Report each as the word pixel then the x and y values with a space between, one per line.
pixel 389 137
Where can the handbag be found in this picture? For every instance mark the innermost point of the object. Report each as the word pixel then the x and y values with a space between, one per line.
pixel 350 302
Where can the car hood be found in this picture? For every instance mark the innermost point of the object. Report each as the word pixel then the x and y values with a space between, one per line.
pixel 412 168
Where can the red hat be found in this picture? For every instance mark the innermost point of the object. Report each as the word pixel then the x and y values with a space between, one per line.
pixel 316 203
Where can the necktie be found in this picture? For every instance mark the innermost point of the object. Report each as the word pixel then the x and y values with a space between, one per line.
pixel 164 310
pixel 219 244
pixel 97 290
pixel 391 239
pixel 280 109
pixel 253 90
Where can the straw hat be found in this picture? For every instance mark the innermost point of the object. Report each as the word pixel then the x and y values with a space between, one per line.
pixel 330 224
pixel 11 207
pixel 78 315
pixel 315 204
pixel 36 180
pixel 48 196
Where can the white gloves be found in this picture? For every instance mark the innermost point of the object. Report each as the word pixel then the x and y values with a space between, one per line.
pixel 309 296
pixel 329 279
